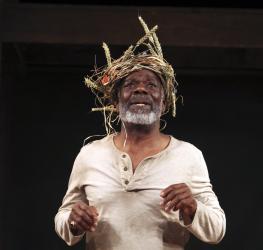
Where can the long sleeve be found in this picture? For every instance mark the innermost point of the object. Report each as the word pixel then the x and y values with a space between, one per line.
pixel 209 224
pixel 73 194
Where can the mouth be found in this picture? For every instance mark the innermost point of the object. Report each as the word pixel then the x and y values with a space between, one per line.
pixel 140 107
pixel 140 104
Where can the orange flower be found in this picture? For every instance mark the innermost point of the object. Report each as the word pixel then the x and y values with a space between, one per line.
pixel 105 80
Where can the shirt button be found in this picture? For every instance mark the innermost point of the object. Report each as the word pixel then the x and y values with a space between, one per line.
pixel 126 182
pixel 123 156
pixel 125 168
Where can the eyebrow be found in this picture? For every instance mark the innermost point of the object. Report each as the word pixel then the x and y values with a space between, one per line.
pixel 148 80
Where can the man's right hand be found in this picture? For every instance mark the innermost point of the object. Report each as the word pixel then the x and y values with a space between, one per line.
pixel 82 218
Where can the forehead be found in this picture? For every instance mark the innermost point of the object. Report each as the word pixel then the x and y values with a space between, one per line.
pixel 143 75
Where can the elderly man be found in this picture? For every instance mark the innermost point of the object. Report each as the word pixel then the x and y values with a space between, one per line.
pixel 139 188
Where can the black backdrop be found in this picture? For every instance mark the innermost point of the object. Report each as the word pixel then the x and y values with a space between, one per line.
pixel 47 117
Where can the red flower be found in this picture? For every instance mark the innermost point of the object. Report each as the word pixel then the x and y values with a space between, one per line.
pixel 105 80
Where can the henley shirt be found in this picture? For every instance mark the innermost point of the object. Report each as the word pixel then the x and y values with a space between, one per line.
pixel 128 203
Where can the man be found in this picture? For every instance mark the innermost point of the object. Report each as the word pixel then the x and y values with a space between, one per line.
pixel 140 188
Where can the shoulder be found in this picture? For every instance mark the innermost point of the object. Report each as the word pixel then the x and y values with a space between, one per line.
pixel 96 148
pixel 94 151
pixel 185 146
pixel 97 144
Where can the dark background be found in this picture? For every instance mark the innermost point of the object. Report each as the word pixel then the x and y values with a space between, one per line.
pixel 45 116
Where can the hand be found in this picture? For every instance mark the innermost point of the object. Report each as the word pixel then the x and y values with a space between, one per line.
pixel 179 196
pixel 82 218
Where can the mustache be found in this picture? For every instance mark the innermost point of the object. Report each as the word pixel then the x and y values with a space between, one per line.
pixel 139 98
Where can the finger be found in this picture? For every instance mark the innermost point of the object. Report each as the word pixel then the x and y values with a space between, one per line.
pixel 170 196
pixel 88 213
pixel 90 210
pixel 177 199
pixel 92 229
pixel 80 224
pixel 93 211
pixel 167 190
pixel 83 226
pixel 78 213
pixel 83 206
pixel 183 204
pixel 92 215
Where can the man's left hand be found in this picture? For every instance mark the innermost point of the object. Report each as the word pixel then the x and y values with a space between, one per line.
pixel 179 196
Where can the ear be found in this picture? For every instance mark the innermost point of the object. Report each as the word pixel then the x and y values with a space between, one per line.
pixel 163 106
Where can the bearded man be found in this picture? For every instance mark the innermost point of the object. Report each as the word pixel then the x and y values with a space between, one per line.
pixel 139 188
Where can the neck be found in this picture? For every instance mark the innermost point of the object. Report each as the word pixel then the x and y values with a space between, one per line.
pixel 140 133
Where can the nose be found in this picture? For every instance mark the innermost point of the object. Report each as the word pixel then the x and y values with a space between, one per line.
pixel 140 88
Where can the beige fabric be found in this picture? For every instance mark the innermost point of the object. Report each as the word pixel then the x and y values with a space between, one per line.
pixel 130 216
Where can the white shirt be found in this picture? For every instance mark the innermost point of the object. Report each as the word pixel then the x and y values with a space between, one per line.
pixel 130 216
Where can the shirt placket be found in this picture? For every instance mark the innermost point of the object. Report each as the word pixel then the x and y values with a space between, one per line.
pixel 125 170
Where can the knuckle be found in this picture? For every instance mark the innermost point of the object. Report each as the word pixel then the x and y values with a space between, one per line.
pixel 80 213
pixel 184 202
pixel 78 220
pixel 179 197
pixel 78 204
pixel 90 209
pixel 172 203
pixel 82 206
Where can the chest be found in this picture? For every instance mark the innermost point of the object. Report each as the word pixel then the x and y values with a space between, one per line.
pixel 138 156
pixel 102 180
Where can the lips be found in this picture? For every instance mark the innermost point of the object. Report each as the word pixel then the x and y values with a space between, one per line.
pixel 140 104
pixel 140 101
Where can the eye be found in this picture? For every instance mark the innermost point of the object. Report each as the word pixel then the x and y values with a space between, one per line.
pixel 152 85
pixel 128 84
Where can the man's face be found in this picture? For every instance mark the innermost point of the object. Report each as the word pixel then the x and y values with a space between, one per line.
pixel 141 98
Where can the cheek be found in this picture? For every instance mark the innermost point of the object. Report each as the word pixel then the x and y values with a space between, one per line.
pixel 158 97
pixel 161 100
pixel 124 96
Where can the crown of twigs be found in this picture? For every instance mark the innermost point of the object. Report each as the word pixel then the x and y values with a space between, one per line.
pixel 104 80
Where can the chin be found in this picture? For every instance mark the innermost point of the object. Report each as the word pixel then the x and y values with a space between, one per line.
pixel 140 110
pixel 140 118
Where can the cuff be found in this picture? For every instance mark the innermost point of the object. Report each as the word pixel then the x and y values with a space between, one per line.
pixel 63 230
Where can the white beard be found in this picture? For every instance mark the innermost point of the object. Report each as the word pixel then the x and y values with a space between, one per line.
pixel 141 117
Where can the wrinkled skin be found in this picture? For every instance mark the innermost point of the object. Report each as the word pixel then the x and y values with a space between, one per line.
pixel 85 218
pixel 179 197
